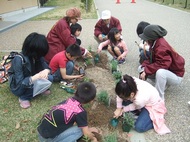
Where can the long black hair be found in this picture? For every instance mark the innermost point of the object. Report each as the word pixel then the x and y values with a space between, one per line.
pixel 111 35
pixel 35 46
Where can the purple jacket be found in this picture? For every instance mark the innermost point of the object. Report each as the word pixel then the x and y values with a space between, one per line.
pixel 101 27
pixel 164 57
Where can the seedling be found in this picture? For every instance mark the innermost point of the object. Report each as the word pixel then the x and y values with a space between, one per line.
pixel 117 75
pixel 103 97
pixel 112 137
pixel 96 58
pixel 114 65
pixel 128 121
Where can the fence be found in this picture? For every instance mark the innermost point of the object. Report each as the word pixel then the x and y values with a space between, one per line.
pixel 179 3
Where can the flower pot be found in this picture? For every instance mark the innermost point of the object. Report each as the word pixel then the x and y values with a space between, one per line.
pixel 114 122
pixel 126 127
pixel 96 58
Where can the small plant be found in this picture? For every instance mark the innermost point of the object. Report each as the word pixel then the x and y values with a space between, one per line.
pixel 86 139
pixel 117 75
pixel 112 137
pixel 103 97
pixel 114 64
pixel 128 121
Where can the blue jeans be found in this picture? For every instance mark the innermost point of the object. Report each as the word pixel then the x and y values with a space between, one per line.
pixel 143 122
pixel 70 135
pixel 69 70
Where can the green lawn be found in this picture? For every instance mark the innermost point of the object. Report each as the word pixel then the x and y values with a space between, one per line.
pixel 17 124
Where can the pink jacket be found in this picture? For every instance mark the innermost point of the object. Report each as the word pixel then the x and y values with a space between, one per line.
pixel 148 97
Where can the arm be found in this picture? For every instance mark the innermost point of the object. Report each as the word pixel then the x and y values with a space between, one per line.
pixel 102 44
pixel 125 49
pixel 88 132
pixel 161 60
pixel 98 28
pixel 65 76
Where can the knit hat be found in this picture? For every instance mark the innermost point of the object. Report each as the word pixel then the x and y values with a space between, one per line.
pixel 106 14
pixel 73 12
pixel 153 32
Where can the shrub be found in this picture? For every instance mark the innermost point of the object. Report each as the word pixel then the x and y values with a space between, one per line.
pixel 103 97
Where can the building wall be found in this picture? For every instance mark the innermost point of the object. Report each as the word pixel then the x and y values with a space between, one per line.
pixel 7 6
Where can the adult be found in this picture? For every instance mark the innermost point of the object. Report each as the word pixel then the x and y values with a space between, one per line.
pixel 59 37
pixel 104 25
pixel 164 63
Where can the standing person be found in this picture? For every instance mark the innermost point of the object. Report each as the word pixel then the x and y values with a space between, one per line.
pixel 144 97
pixel 116 45
pixel 28 67
pixel 143 46
pixel 59 37
pixel 104 25
pixel 75 32
pixel 67 121
pixel 164 63
pixel 62 64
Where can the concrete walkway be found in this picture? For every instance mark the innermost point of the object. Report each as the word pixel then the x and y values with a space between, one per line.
pixel 12 19
pixel 130 14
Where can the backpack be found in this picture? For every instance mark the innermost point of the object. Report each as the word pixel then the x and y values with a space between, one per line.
pixel 5 64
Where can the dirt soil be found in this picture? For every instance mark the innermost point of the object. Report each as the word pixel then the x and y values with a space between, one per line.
pixel 99 115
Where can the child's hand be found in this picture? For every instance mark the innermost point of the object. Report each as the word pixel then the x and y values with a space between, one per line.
pixel 44 73
pixel 118 112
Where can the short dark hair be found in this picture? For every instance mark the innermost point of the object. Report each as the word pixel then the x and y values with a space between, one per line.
pixel 111 35
pixel 35 45
pixel 126 86
pixel 141 26
pixel 74 50
pixel 86 92
pixel 75 27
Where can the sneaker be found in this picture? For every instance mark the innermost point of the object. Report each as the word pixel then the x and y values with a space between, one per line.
pixel 122 61
pixel 47 92
pixel 24 103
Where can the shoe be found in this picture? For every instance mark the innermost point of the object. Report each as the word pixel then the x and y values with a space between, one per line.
pixel 46 93
pixel 24 103
pixel 122 61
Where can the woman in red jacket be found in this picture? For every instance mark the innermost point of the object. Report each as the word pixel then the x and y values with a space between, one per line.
pixel 164 62
pixel 59 37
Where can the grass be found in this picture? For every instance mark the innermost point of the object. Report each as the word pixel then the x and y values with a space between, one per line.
pixel 17 124
pixel 178 4
pixel 60 9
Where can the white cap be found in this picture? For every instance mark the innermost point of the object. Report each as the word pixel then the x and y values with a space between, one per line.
pixel 106 14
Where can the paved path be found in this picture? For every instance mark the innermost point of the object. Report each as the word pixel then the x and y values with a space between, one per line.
pixel 177 24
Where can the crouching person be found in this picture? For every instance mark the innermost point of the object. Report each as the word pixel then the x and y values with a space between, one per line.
pixel 67 121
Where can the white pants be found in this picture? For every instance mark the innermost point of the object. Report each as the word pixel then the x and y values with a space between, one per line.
pixel 164 78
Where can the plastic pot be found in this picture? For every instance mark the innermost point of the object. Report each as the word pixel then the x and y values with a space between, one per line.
pixel 126 127
pixel 114 122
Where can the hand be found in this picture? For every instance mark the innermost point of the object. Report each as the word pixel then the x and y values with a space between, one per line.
pixel 44 73
pixel 88 54
pixel 100 37
pixel 143 76
pixel 118 112
pixel 99 50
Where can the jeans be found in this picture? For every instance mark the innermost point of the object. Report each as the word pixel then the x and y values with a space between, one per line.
pixel 70 135
pixel 165 77
pixel 69 70
pixel 143 122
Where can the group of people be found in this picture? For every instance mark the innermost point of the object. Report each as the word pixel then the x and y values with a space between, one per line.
pixel 52 58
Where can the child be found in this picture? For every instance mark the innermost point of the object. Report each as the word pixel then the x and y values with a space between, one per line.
pixel 62 64
pixel 117 47
pixel 29 67
pixel 75 32
pixel 144 97
pixel 67 121
pixel 143 46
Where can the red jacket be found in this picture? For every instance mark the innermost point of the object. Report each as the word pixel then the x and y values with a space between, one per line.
pixel 101 27
pixel 164 57
pixel 59 38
